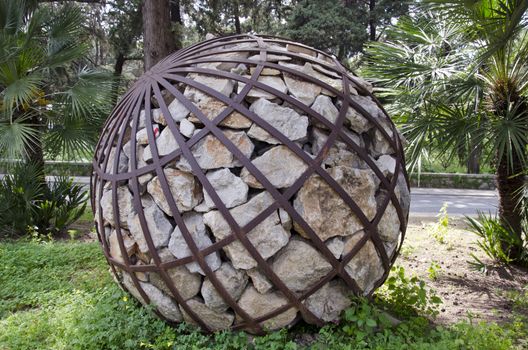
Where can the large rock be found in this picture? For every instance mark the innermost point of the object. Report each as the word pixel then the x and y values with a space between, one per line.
pixel 229 187
pixel 280 166
pixel 272 81
pixel 211 153
pixel 284 119
pixel 389 225
pixel 124 205
pixel 188 284
pixel 366 266
pixel 177 110
pixel 339 153
pixel 164 304
pixel 234 281
pixel 159 228
pixel 225 66
pixel 185 189
pixel 122 164
pixel 115 250
pixel 324 106
pixel 309 70
pixel 213 319
pixel 326 212
pixel 328 302
pixel 268 237
pixel 356 120
pixel 261 283
pixel 257 304
pixel 300 266
pixel 179 248
pixel 212 107
pixel 222 85
pixel 302 90
pixel 165 143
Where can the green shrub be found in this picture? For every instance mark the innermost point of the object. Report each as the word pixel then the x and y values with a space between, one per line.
pixel 28 205
pixel 496 240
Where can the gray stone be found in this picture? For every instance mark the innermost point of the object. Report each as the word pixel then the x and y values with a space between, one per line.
pixel 381 144
pixel 271 58
pixel 389 225
pixel 124 205
pixel 159 228
pixel 328 302
pixel 281 167
pixel 188 284
pixel 165 305
pixel 324 106
pixel 234 281
pixel 185 189
pixel 187 128
pixel 210 153
pixel 300 266
pixel 339 154
pixel 326 212
pixel 261 283
pixel 213 319
pixel 265 71
pixel 285 219
pixel 166 143
pixel 212 107
pixel 115 250
pixel 158 117
pixel 225 66
pixel 302 90
pixel 268 237
pixel 307 69
pixel 336 246
pixel 366 266
pixel 177 110
pixel 229 187
pixel 140 150
pixel 179 248
pixel 257 304
pixel 122 164
pixel 301 49
pixel 273 81
pixel 356 120
pixel 142 135
pixel 224 86
pixel 386 164
pixel 284 119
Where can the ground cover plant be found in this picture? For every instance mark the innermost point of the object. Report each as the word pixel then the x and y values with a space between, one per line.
pixel 60 295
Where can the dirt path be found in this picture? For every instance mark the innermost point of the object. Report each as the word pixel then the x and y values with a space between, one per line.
pixel 465 291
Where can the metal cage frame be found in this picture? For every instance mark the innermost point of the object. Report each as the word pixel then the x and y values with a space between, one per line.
pixel 173 70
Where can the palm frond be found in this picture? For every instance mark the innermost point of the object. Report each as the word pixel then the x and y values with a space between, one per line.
pixel 17 138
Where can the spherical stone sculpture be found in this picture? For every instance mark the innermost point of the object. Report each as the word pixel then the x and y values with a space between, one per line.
pixel 248 181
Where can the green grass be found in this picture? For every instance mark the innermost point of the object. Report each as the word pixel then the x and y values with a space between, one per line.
pixel 60 295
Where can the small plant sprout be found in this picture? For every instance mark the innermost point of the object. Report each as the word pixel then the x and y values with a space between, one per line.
pixel 440 228
pixel 434 270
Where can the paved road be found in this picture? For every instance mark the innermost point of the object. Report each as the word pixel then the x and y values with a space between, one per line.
pixel 426 202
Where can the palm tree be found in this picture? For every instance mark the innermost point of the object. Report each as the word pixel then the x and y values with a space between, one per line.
pixel 51 103
pixel 485 101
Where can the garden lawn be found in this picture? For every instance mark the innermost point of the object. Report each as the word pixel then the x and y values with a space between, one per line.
pixel 60 295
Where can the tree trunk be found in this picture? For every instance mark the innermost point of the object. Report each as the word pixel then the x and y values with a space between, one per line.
pixel 158 40
pixel 510 182
pixel 473 161
pixel 238 28
pixel 177 23
pixel 118 70
pixel 372 20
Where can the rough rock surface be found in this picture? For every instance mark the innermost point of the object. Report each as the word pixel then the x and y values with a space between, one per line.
pixel 213 319
pixel 258 304
pixel 267 237
pixel 165 305
pixel 184 187
pixel 124 205
pixel 179 248
pixel 280 165
pixel 329 301
pixel 326 212
pixel 366 266
pixel 234 281
pixel 284 119
pixel 229 187
pixel 159 228
pixel 188 284
pixel 300 265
